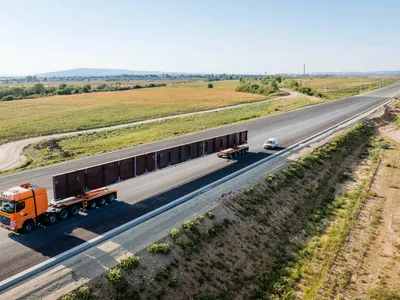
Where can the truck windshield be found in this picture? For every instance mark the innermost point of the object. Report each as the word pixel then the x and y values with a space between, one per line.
pixel 7 206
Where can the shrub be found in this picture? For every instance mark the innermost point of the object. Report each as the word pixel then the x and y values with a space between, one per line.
pixel 8 98
pixel 210 215
pixel 114 275
pixel 249 191
pixel 210 85
pixel 69 296
pixel 201 218
pixel 344 176
pixel 130 262
pixel 174 233
pixel 84 292
pixel 160 248
pixel 190 226
pixel 383 145
pixel 173 282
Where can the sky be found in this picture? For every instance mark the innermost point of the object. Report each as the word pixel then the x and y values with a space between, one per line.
pixel 205 36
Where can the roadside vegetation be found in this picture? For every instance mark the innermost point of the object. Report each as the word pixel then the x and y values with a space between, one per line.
pixel 254 245
pixel 264 86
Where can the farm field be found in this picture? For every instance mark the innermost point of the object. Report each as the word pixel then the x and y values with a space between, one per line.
pixel 341 87
pixel 34 117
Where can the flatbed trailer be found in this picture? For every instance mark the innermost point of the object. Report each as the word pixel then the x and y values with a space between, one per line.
pixel 233 152
pixel 24 207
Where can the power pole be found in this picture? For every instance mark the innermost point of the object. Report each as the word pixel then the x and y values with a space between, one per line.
pixel 304 70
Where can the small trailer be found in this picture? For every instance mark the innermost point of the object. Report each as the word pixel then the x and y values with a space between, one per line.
pixel 233 152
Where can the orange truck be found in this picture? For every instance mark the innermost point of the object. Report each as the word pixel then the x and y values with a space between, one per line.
pixel 233 152
pixel 24 207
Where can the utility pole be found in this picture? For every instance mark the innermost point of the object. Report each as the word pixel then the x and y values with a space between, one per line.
pixel 304 70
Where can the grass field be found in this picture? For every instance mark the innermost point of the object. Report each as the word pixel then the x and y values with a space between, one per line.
pixel 45 152
pixel 341 87
pixel 34 117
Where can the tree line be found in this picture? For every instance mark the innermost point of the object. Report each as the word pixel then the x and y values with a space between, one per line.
pixel 265 85
pixel 39 90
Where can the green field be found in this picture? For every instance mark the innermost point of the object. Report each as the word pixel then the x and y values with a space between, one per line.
pixel 54 151
pixel 35 117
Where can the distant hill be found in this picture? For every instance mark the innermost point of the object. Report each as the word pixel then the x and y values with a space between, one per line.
pixel 91 72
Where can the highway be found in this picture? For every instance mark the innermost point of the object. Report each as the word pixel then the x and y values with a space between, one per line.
pixel 142 194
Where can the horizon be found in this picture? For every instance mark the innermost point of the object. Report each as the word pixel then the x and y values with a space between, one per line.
pixel 193 73
pixel 178 37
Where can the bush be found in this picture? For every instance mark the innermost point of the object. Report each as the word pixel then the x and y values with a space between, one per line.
pixel 69 296
pixel 190 226
pixel 130 262
pixel 173 282
pixel 160 248
pixel 210 85
pixel 84 292
pixel 114 275
pixel 210 215
pixel 8 98
pixel 174 233
pixel 201 218
pixel 383 145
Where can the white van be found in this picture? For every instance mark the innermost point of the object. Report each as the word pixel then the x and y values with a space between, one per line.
pixel 271 143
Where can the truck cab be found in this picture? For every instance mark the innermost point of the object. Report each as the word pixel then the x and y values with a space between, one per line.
pixel 21 205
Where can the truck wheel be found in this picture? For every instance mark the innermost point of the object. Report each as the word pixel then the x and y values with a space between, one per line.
pixel 111 198
pixel 91 204
pixel 74 210
pixel 52 218
pixel 101 201
pixel 28 227
pixel 63 214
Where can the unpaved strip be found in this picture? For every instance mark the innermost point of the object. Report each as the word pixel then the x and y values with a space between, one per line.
pixel 11 154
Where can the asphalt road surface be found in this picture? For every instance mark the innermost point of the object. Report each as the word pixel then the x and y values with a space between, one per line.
pixel 145 193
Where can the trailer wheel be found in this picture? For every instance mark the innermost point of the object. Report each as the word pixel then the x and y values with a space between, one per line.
pixel 52 218
pixel 28 227
pixel 101 201
pixel 111 198
pixel 91 204
pixel 74 210
pixel 63 214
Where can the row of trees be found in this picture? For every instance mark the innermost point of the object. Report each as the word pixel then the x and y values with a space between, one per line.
pixel 40 90
pixel 123 77
pixel 265 85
